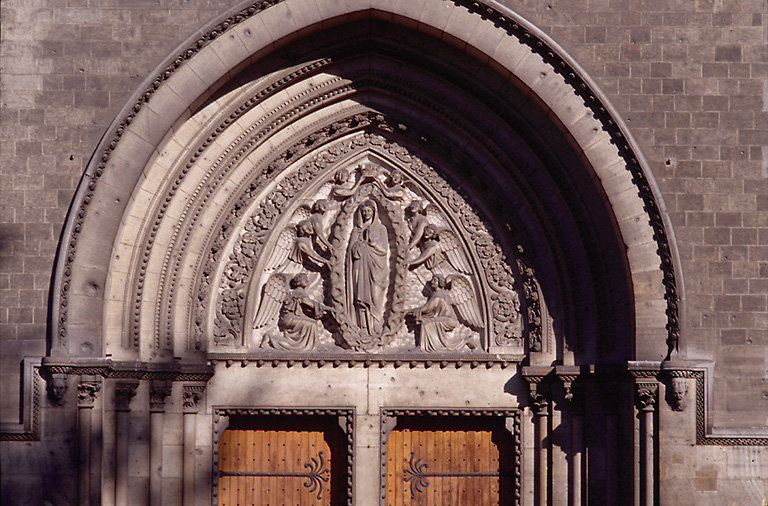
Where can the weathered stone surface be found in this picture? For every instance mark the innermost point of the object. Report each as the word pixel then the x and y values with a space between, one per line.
pixel 687 78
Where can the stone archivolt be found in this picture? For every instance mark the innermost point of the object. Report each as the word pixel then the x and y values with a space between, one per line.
pixel 266 181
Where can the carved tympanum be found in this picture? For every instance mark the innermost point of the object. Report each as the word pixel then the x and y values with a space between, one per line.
pixel 360 255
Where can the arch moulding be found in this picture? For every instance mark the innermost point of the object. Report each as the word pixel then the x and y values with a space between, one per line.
pixel 357 165
pixel 490 33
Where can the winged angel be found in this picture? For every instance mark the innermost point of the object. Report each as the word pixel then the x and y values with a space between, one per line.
pixel 451 301
pixel 295 247
pixel 298 313
pixel 440 252
pixel 295 250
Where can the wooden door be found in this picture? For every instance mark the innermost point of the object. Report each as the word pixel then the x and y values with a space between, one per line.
pixel 457 461
pixel 281 460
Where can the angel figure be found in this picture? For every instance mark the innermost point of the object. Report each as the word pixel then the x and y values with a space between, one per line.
pixel 415 215
pixel 437 247
pixel 396 190
pixel 298 313
pixel 294 248
pixel 451 301
pixel 319 208
pixel 340 189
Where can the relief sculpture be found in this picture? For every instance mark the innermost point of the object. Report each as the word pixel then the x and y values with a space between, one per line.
pixel 437 318
pixel 370 258
pixel 298 314
pixel 367 274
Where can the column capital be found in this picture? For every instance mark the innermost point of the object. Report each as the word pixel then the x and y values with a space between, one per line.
pixel 87 389
pixel 124 393
pixel 159 390
pixel 645 395
pixel 192 394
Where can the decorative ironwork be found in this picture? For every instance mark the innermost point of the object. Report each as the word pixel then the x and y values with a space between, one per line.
pixel 318 474
pixel 416 475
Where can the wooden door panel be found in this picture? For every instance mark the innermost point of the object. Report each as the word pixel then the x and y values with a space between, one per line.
pixel 281 460
pixel 437 461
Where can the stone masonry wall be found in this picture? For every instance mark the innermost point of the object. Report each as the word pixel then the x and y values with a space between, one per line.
pixel 689 77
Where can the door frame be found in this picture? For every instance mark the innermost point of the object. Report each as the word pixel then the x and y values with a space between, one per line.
pixel 346 419
pixel 512 422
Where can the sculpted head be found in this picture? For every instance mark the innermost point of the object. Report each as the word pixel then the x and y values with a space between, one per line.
pixel 367 210
pixel 321 206
pixel 56 387
pixel 437 283
pixel 414 208
pixel 679 392
pixel 300 280
pixel 396 177
pixel 304 228
pixel 430 232
pixel 342 176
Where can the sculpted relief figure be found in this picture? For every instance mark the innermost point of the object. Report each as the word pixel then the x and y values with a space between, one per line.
pixel 367 269
pixel 342 189
pixel 416 215
pixel 438 248
pixel 374 241
pixel 396 189
pixel 295 248
pixel 451 300
pixel 298 314
pixel 319 209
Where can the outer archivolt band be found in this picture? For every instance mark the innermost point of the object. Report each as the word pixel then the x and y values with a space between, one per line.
pixel 498 15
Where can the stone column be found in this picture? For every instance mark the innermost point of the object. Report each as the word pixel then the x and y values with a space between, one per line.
pixel 158 392
pixel 645 398
pixel 577 440
pixel 191 397
pixel 540 407
pixel 124 392
pixel 86 397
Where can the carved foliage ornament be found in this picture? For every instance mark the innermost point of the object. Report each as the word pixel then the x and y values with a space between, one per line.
pixel 86 393
pixel 365 247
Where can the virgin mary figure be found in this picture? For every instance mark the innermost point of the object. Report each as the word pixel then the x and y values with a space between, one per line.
pixel 367 271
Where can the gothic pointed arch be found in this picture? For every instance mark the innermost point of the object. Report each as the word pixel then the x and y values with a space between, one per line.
pixel 381 211
pixel 155 255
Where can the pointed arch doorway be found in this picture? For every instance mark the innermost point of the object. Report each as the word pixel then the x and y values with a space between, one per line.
pixel 509 223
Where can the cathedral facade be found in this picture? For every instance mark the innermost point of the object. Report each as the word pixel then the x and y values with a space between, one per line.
pixel 384 252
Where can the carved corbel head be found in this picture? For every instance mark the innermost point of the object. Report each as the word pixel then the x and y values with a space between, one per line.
pixel 679 393
pixel 57 387
pixel 675 376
